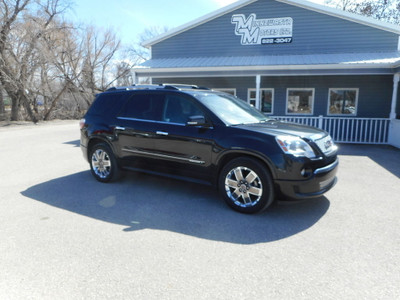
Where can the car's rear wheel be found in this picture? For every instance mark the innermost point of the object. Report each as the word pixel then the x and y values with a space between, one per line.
pixel 246 185
pixel 103 164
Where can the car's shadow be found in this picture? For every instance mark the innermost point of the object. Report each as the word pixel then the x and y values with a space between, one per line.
pixel 75 143
pixel 142 201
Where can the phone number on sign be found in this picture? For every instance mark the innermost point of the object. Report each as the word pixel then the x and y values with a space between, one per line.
pixel 277 41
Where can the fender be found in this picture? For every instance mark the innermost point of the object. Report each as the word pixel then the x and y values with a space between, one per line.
pixel 229 154
pixel 100 138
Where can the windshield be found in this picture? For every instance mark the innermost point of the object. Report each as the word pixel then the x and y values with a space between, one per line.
pixel 231 110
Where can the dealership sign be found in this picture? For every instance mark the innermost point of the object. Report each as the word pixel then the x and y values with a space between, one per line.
pixel 255 31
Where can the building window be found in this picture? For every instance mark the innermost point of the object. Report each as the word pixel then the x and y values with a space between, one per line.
pixel 300 101
pixel 342 102
pixel 266 99
pixel 228 91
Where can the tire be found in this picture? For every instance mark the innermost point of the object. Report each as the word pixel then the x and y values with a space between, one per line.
pixel 103 164
pixel 246 185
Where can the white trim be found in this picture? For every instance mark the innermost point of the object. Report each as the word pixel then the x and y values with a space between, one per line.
pixel 343 115
pixel 258 93
pixel 394 133
pixel 225 90
pixel 398 45
pixel 288 73
pixel 303 4
pixel 134 77
pixel 264 68
pixel 249 98
pixel 272 90
pixel 396 79
pixel 297 113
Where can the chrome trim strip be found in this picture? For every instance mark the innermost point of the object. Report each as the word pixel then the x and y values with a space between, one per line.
pixel 328 168
pixel 161 133
pixel 152 121
pixel 200 162
pixel 158 122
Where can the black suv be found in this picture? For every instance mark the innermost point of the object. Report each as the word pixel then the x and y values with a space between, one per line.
pixel 210 137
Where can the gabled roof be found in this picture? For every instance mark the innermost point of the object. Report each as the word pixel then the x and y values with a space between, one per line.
pixel 300 3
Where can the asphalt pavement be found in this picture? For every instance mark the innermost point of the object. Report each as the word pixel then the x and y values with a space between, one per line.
pixel 63 235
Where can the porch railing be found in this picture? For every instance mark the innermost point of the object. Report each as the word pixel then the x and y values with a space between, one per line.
pixel 348 130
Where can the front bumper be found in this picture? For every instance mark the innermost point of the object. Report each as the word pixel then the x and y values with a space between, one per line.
pixel 321 181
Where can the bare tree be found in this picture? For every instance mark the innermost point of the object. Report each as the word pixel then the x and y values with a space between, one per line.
pixel 346 5
pixel 21 31
pixel 138 53
pixel 10 11
pixel 385 10
pixel 45 61
pixel 100 48
pixel 124 74
pixel 83 60
pixel 2 105
pixel 61 57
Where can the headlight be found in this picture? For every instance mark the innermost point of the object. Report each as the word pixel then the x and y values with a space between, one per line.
pixel 295 146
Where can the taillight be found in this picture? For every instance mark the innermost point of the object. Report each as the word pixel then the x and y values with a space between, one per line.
pixel 82 123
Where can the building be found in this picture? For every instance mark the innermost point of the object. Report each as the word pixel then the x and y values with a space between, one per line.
pixel 294 60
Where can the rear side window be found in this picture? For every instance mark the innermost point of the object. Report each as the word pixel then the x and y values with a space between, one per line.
pixel 107 104
pixel 144 107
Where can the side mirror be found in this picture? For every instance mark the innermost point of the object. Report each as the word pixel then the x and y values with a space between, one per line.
pixel 196 121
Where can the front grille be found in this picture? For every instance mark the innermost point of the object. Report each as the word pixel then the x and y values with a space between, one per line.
pixel 326 145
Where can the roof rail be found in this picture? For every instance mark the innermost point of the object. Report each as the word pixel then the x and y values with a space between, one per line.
pixel 133 87
pixel 180 86
pixel 168 86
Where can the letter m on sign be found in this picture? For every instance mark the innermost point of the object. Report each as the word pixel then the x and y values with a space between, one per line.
pixel 244 28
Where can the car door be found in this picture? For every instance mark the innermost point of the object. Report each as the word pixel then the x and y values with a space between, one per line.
pixel 136 128
pixel 184 149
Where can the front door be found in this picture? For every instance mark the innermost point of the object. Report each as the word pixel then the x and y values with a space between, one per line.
pixel 186 149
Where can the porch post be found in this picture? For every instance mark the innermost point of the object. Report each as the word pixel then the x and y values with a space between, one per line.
pixel 396 79
pixel 134 78
pixel 258 83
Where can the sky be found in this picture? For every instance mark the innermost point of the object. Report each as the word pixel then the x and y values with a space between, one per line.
pixel 129 18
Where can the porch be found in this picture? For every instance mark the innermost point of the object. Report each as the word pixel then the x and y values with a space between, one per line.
pixel 353 130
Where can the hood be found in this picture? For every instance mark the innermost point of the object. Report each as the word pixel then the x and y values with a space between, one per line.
pixel 276 128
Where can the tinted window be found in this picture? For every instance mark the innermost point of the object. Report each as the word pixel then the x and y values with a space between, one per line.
pixel 178 109
pixel 107 104
pixel 144 107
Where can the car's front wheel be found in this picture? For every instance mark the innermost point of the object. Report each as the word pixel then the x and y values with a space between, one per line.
pixel 103 164
pixel 246 185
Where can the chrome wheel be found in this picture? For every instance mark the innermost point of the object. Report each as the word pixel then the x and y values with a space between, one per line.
pixel 101 163
pixel 243 186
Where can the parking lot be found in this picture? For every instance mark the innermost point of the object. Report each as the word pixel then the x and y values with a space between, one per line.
pixel 64 235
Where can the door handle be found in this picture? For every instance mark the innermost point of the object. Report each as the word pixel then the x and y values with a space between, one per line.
pixel 119 128
pixel 161 133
